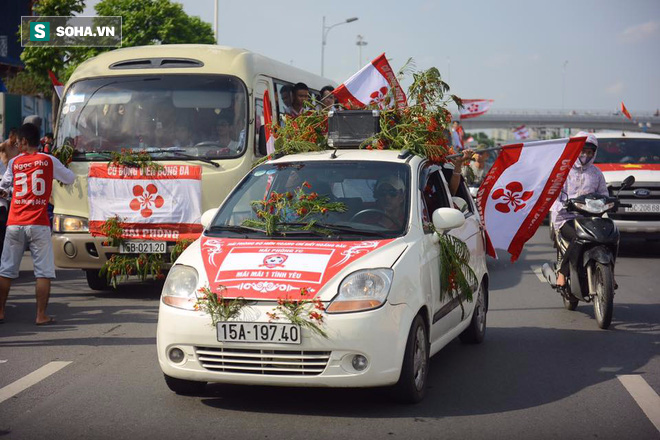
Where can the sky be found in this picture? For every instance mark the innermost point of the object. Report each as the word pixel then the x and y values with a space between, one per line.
pixel 537 55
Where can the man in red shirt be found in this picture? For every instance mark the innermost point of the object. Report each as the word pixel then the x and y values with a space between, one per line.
pixel 29 177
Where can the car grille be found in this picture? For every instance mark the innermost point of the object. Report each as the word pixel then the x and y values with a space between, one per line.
pixel 263 362
pixel 628 196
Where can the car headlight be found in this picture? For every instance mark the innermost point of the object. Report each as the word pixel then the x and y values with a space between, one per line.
pixel 595 206
pixel 180 287
pixel 362 290
pixel 68 223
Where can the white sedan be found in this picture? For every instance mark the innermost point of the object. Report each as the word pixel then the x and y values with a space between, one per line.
pixel 374 268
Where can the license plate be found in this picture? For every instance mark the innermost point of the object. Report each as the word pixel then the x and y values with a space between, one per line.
pixel 258 332
pixel 644 207
pixel 143 247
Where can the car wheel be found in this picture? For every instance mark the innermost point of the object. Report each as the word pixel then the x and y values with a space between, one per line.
pixel 95 281
pixel 411 387
pixel 476 331
pixel 184 387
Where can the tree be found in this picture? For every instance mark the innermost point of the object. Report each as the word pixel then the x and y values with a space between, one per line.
pixel 156 22
pixel 38 60
pixel 144 22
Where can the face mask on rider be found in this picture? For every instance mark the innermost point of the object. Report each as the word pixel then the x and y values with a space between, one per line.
pixel 585 160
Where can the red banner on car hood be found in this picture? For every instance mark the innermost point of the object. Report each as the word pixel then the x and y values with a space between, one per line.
pixel 628 166
pixel 275 269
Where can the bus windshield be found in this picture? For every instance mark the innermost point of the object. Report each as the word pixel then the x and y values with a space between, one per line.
pixel 628 150
pixel 170 116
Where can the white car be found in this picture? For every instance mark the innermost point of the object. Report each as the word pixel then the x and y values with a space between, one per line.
pixel 377 274
pixel 623 154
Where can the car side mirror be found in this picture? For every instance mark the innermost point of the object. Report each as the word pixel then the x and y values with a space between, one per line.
pixel 208 216
pixel 446 219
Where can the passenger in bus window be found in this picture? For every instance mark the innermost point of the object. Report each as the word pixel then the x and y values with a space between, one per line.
pixel 286 93
pixel 300 97
pixel 327 98
pixel 225 129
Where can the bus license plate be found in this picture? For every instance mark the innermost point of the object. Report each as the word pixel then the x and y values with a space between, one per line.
pixel 279 333
pixel 143 247
pixel 644 207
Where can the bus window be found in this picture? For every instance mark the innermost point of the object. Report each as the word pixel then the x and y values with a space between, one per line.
pixel 199 115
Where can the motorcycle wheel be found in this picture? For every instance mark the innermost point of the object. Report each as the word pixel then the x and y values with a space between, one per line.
pixel 570 304
pixel 604 298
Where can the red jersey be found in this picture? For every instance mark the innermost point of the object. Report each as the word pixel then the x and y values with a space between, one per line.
pixel 32 176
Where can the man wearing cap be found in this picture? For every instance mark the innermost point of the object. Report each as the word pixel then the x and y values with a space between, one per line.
pixel 390 198
pixel 584 178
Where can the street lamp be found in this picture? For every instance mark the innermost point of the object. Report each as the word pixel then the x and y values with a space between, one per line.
pixel 563 85
pixel 324 36
pixel 360 42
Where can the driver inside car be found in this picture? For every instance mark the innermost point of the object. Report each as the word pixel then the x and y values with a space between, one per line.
pixel 390 198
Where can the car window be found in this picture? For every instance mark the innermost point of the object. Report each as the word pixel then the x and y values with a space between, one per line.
pixel 434 195
pixel 375 195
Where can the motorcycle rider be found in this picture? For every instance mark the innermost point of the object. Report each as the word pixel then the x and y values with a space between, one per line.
pixel 584 178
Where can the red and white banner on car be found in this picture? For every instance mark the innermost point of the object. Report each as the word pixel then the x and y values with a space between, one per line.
pixel 520 188
pixel 160 204
pixel 276 269
pixel 474 107
pixel 371 85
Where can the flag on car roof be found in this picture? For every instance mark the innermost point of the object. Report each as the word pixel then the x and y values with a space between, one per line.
pixel 375 84
pixel 268 122
pixel 472 108
pixel 519 190
pixel 625 111
pixel 521 133
pixel 59 87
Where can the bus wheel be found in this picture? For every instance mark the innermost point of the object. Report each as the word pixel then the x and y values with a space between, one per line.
pixel 96 282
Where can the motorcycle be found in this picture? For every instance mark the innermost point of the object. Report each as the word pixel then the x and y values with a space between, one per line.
pixel 591 265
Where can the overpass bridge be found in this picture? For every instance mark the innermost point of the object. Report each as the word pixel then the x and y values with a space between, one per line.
pixel 556 119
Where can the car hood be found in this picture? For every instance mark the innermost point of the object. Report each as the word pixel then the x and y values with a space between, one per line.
pixel 269 270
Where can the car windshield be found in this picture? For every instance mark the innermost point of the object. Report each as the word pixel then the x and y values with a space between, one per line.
pixel 628 150
pixel 171 116
pixel 374 197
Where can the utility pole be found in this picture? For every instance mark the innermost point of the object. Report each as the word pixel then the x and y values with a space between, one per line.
pixel 563 84
pixel 360 42
pixel 215 20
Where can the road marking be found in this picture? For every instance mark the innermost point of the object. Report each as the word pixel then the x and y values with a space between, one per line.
pixel 539 273
pixel 31 379
pixel 644 395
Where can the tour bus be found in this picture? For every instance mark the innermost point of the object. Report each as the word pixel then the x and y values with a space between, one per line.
pixel 184 104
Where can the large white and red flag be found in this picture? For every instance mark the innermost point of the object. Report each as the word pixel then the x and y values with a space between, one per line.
pixel 472 108
pixel 162 204
pixel 59 87
pixel 371 85
pixel 520 188
pixel 268 123
pixel 521 133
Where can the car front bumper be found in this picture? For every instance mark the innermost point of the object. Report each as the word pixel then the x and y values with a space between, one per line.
pixel 379 335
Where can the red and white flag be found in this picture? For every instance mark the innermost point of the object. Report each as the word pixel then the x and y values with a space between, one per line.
pixel 474 107
pixel 625 111
pixel 521 133
pixel 152 205
pixel 268 122
pixel 520 188
pixel 371 85
pixel 59 87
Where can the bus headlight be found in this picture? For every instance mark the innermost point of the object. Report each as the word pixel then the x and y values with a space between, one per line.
pixel 180 287
pixel 68 223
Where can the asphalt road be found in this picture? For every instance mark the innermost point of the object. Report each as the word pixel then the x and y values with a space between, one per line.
pixel 542 372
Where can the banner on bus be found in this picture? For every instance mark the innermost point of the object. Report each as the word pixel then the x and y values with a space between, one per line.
pixel 163 204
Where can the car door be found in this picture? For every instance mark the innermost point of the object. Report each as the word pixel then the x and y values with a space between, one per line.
pixel 471 233
pixel 445 313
